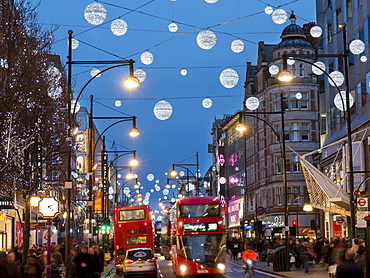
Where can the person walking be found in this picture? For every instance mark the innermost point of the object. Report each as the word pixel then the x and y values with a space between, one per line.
pixel 70 266
pixel 13 267
pixel 96 266
pixel 83 262
pixel 235 249
pixel 349 268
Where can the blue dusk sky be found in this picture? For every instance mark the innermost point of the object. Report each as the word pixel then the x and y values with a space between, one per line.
pixel 187 131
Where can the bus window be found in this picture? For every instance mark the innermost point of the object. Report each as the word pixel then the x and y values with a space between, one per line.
pixel 206 210
pixel 136 240
pixel 127 215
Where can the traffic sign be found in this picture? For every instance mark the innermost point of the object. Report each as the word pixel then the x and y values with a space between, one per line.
pixel 367 218
pixel 38 225
pixel 362 203
pixel 260 210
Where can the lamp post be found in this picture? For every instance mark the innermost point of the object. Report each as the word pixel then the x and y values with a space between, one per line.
pixel 131 82
pixel 174 173
pixel 281 139
pixel 285 76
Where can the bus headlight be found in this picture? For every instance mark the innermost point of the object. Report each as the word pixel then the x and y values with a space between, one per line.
pixel 221 266
pixel 183 268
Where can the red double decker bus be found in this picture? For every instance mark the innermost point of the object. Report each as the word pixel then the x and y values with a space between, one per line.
pixel 198 243
pixel 132 229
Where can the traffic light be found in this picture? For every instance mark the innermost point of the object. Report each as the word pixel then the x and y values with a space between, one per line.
pixel 62 227
pixel 294 231
pixel 104 227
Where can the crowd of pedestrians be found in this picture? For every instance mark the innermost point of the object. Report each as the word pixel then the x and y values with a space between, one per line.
pixel 83 262
pixel 338 257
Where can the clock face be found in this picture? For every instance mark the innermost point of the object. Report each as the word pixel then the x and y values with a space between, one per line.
pixel 49 207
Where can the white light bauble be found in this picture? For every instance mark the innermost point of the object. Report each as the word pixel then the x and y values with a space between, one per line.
pixel 207 103
pixel 229 78
pixel 73 104
pixel 268 10
pixel 173 27
pixel 274 69
pixel 147 58
pixel 290 62
pixel 162 110
pixel 140 74
pixel 181 173
pixel 252 103
pixel 339 103
pixel 95 72
pixel 298 95
pixel 279 16
pixel 320 70
pixel 206 39
pixel 211 1
pixel 152 190
pixel 75 43
pixel 184 72
pixel 150 177
pixel 126 190
pixel 173 200
pixel 357 47
pixel 119 27
pixel 165 191
pixel 337 77
pixel 173 186
pixel 316 31
pixel 237 46
pixel 118 103
pixel 95 187
pixel 146 202
pixel 363 59
pixel 95 13
pixel 156 181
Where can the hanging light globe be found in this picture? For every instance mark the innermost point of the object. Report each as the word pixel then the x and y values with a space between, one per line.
pixel 290 62
pixel 119 27
pixel 342 105
pixel 229 78
pixel 211 1
pixel 162 110
pixel 252 103
pixel 357 47
pixel 140 74
pixel 363 58
pixel 274 69
pixel 150 177
pixel 95 72
pixel 73 104
pixel 237 46
pixel 207 103
pixel 336 77
pixel 147 58
pixel 279 16
pixel 173 27
pixel 184 72
pixel 206 39
pixel 173 186
pixel 298 95
pixel 75 43
pixel 316 31
pixel 118 103
pixel 319 68
pixel 268 10
pixel 95 13
pixel 165 191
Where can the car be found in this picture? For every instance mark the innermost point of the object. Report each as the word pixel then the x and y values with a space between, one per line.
pixel 139 262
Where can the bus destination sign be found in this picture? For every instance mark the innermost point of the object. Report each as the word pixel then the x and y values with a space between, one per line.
pixel 200 227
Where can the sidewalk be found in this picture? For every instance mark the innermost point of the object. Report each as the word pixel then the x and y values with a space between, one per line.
pixel 109 269
pixel 315 272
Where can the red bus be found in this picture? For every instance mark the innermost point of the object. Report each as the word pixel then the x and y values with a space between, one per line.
pixel 132 229
pixel 198 243
pixel 165 249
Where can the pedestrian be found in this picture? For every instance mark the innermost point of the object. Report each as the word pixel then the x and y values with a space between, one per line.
pixel 13 267
pixel 307 254
pixel 96 264
pixel 349 269
pixel 57 256
pixel 32 269
pixel 70 266
pixel 235 249
pixel 3 269
pixel 82 262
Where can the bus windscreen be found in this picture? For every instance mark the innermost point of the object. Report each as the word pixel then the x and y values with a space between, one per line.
pixel 127 215
pixel 200 210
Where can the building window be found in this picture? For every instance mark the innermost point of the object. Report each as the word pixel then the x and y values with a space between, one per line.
pixel 301 70
pixel 295 132
pixel 295 195
pixel 278 164
pixel 287 132
pixel 339 16
pixel 330 32
pixel 349 9
pixel 296 166
pixel 305 132
pixel 293 70
pixel 279 195
pixel 323 124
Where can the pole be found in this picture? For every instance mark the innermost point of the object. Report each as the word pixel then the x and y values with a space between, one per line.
pixel 90 162
pixel 285 184
pixel 48 255
pixel 367 245
pixel 349 139
pixel 197 175
pixel 68 199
